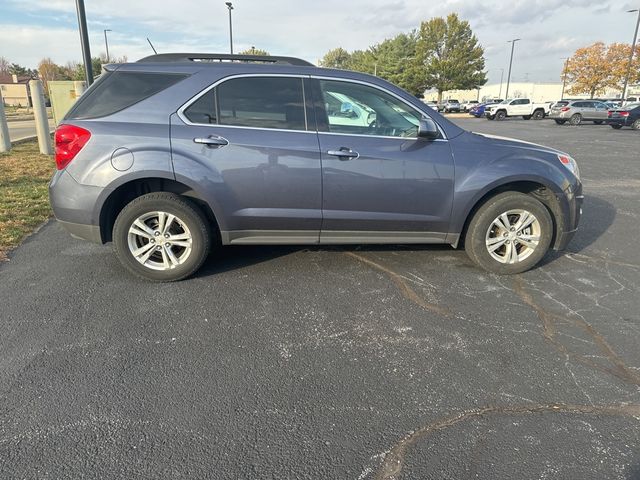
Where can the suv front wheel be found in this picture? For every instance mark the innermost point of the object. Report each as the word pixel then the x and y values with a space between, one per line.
pixel 161 237
pixel 509 234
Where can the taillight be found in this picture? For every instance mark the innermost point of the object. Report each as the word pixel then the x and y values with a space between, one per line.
pixel 624 114
pixel 69 141
pixel 609 113
pixel 565 109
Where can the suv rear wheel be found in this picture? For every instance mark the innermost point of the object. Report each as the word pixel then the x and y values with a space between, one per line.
pixel 576 119
pixel 509 234
pixel 161 237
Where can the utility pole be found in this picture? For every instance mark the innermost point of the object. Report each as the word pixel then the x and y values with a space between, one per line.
pixel 513 44
pixel 106 43
pixel 84 41
pixel 564 76
pixel 230 7
pixel 633 48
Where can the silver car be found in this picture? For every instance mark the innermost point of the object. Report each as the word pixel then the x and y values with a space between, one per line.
pixel 577 111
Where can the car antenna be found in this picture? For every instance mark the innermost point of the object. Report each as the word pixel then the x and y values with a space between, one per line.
pixel 152 47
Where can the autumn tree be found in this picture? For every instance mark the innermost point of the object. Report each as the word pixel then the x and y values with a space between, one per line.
pixel 595 68
pixel 450 52
pixel 48 70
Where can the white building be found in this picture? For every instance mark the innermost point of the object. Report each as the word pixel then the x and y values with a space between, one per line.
pixel 537 92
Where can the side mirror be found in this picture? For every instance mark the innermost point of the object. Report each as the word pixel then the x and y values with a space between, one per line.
pixel 428 129
pixel 347 110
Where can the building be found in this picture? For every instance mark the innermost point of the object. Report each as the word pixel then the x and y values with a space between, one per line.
pixel 537 92
pixel 15 90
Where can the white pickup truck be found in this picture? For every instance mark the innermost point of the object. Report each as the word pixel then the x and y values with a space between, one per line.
pixel 518 107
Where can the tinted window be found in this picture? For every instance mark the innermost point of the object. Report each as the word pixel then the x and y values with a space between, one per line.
pixel 358 109
pixel 265 102
pixel 116 91
pixel 204 109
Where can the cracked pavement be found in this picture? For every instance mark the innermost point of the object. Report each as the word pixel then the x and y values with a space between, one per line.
pixel 342 362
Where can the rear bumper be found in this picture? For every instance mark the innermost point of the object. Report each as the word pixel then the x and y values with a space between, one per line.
pixel 83 232
pixel 617 121
pixel 74 206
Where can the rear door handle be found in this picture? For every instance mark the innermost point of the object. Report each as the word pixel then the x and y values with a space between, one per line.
pixel 343 153
pixel 212 141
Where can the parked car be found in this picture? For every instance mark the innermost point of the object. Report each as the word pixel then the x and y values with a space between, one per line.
pixel 466 106
pixel 177 154
pixel 627 116
pixel 518 107
pixel 432 104
pixel 449 106
pixel 478 110
pixel 577 111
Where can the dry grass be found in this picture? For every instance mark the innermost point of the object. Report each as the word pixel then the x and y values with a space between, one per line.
pixel 24 197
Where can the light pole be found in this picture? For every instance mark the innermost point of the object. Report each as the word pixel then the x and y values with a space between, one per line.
pixel 501 79
pixel 84 41
pixel 106 43
pixel 513 44
pixel 633 47
pixel 564 76
pixel 230 7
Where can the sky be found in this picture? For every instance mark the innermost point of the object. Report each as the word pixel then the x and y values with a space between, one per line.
pixel 550 29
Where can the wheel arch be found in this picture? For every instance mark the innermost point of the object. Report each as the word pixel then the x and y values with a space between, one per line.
pixel 125 192
pixel 547 194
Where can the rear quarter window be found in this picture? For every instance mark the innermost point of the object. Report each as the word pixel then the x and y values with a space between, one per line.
pixel 115 91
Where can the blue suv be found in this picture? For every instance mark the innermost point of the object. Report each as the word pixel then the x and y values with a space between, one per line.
pixel 176 154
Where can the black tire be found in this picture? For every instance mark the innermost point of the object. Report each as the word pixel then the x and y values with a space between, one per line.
pixel 482 222
pixel 636 125
pixel 576 119
pixel 491 117
pixel 560 122
pixel 598 122
pixel 501 115
pixel 186 212
pixel 538 114
pixel 616 126
pixel 526 117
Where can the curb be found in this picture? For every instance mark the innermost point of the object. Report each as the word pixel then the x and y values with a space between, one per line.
pixel 20 140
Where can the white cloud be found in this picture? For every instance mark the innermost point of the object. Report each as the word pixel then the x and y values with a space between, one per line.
pixel 550 29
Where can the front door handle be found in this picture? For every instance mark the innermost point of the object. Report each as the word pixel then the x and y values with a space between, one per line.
pixel 343 153
pixel 212 141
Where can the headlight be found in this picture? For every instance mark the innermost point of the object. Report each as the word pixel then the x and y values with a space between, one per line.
pixel 570 164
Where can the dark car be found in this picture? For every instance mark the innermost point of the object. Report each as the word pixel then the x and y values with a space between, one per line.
pixel 478 110
pixel 628 116
pixel 178 154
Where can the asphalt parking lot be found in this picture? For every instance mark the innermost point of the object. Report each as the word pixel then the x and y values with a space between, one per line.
pixel 342 362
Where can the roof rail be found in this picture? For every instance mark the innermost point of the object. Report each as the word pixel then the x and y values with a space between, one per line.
pixel 224 57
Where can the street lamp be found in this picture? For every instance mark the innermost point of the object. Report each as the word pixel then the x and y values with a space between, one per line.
pixel 633 47
pixel 230 7
pixel 84 41
pixel 106 43
pixel 564 76
pixel 513 44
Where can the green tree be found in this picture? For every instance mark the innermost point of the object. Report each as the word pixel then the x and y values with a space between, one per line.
pixel 396 60
pixel 255 51
pixel 336 58
pixel 15 69
pixel 450 54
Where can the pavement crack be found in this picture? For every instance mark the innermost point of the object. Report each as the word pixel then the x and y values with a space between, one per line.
pixel 391 467
pixel 401 282
pixel 549 320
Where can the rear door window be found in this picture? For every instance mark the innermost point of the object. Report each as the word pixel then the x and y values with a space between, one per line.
pixel 257 102
pixel 115 91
